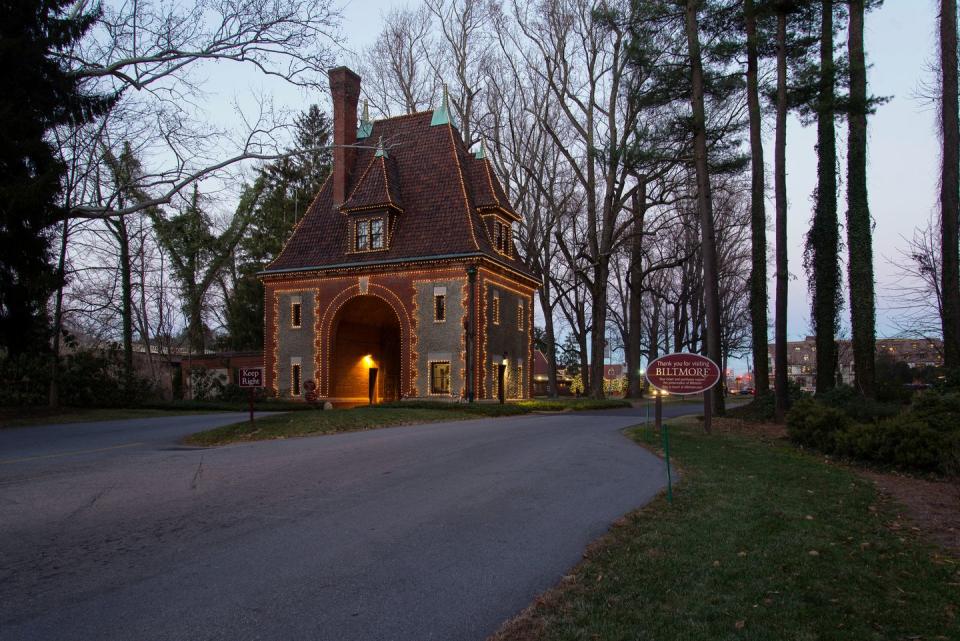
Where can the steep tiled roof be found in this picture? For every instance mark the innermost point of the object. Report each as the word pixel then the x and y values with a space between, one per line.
pixel 428 174
pixel 488 193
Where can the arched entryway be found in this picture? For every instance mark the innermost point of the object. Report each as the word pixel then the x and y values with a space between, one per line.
pixel 365 337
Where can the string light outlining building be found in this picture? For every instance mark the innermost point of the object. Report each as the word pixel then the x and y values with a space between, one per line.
pixel 402 279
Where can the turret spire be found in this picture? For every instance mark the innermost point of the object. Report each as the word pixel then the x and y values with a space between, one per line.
pixel 441 116
pixel 366 125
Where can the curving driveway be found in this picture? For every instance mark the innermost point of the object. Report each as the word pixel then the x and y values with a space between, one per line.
pixel 437 531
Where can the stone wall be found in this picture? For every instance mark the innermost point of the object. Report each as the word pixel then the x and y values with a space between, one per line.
pixel 440 341
pixel 508 337
pixel 295 342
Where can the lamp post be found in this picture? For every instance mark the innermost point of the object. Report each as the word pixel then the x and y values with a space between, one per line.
pixel 501 378
pixel 643 373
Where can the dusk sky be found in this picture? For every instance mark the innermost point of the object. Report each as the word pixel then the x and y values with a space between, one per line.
pixel 903 154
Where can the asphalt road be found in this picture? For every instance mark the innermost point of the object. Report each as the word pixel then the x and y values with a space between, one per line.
pixel 441 531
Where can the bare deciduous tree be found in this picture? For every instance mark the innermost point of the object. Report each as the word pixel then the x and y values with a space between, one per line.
pixel 396 78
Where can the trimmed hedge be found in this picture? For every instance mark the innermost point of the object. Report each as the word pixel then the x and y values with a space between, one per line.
pixel 925 437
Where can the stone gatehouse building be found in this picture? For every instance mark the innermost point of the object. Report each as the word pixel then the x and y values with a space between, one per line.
pixel 402 279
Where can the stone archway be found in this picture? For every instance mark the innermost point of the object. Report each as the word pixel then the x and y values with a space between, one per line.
pixel 365 334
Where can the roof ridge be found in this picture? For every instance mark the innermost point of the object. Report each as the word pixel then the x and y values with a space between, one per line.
pixel 359 182
pixel 463 186
pixel 296 227
pixel 386 181
pixel 493 192
pixel 401 116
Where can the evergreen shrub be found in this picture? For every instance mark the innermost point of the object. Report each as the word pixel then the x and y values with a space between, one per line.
pixel 816 424
pixel 924 437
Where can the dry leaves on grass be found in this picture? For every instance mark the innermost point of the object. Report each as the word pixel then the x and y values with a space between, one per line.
pixel 933 506
pixel 763 431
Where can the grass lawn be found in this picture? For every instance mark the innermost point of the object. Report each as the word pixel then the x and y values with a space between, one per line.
pixel 764 543
pixel 570 404
pixel 25 417
pixel 384 415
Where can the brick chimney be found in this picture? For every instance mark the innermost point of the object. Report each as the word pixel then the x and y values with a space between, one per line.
pixel 345 91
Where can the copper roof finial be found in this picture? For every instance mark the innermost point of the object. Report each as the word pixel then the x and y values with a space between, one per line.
pixel 481 154
pixel 366 125
pixel 441 116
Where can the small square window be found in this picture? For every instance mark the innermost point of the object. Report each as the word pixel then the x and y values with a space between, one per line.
pixel 439 308
pixel 440 377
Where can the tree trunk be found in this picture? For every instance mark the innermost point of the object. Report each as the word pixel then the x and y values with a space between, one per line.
pixel 144 328
pixel 782 399
pixel 551 338
pixel 54 389
pixel 126 304
pixel 585 375
pixel 950 185
pixel 195 323
pixel 634 352
pixel 823 241
pixel 758 214
pixel 711 280
pixel 654 350
pixel 859 232
pixel 635 332
pixel 598 327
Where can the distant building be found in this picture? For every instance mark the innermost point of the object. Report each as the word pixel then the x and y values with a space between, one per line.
pixel 802 357
pixel 614 371
pixel 541 376
pixel 737 383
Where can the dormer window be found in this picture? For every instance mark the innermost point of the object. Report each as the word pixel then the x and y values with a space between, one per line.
pixel 369 235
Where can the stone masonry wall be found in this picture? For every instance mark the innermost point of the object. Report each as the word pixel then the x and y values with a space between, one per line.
pixel 440 341
pixel 507 337
pixel 295 342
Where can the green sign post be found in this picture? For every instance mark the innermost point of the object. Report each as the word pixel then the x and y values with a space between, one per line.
pixel 683 374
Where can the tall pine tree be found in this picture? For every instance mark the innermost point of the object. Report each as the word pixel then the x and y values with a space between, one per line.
pixel 823 239
pixel 859 226
pixel 795 27
pixel 273 204
pixel 950 184
pixel 758 213
pixel 38 95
